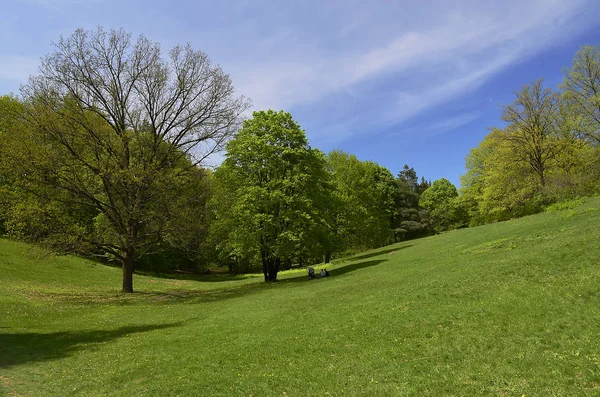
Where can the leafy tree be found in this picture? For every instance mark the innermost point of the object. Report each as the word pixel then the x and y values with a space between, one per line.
pixel 581 91
pixel 547 153
pixel 9 111
pixel 499 186
pixel 121 131
pixel 534 129
pixel 276 186
pixel 365 193
pixel 441 200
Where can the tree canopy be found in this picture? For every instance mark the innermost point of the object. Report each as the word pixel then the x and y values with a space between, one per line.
pixel 103 155
pixel 121 131
pixel 441 200
pixel 581 89
pixel 277 189
pixel 365 197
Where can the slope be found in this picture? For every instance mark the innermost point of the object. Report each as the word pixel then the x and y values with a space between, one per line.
pixel 511 308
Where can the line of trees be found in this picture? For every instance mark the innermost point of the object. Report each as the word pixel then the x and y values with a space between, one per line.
pixel 102 155
pixel 549 151
pixel 277 202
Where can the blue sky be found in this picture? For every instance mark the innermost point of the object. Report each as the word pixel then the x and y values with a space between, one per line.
pixel 416 82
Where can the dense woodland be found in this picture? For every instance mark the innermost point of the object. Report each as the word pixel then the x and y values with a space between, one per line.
pixel 103 155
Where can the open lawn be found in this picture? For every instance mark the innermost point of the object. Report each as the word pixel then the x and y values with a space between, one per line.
pixel 508 309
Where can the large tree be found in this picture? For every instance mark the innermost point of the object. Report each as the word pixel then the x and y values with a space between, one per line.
pixel 121 131
pixel 581 91
pixel 276 188
pixel 409 216
pixel 498 185
pixel 445 210
pixel 365 193
pixel 533 130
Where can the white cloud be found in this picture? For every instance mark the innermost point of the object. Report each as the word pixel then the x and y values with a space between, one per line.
pixel 347 63
pixel 453 52
pixel 451 123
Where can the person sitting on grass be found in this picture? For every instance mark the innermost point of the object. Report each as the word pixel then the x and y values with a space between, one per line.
pixel 311 272
pixel 324 273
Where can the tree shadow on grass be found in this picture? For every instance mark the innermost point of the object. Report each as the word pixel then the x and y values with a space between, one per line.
pixel 208 278
pixel 22 348
pixel 390 250
pixel 200 296
pixel 356 266
pixel 337 272
pixel 225 276
pixel 195 296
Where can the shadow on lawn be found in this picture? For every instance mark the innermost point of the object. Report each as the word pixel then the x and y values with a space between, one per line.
pixel 225 276
pixel 21 348
pixel 193 296
pixel 336 272
pixel 383 252
pixel 209 278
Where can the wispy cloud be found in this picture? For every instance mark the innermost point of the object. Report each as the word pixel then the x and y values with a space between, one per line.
pixel 451 123
pixel 350 66
pixel 412 68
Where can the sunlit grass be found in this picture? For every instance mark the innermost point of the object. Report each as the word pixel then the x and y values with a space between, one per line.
pixel 506 309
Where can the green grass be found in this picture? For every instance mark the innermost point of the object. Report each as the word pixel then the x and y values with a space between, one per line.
pixel 507 309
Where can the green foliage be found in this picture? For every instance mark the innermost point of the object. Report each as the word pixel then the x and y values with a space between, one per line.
pixel 499 185
pixel 411 221
pixel 565 205
pixel 446 211
pixel 439 194
pixel 276 189
pixel 111 126
pixel 84 204
pixel 365 194
pixel 581 92
pixel 533 131
pixel 543 156
pixel 10 108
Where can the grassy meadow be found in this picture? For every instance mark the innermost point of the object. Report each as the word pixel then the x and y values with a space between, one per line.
pixel 506 309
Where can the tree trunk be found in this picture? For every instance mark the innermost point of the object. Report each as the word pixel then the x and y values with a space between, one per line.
pixel 327 256
pixel 271 268
pixel 265 264
pixel 128 271
pixel 265 267
pixel 275 269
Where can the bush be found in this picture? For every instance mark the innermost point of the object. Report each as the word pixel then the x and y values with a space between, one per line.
pixel 565 205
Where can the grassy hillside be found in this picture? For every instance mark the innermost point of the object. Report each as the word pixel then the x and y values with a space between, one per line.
pixel 508 309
